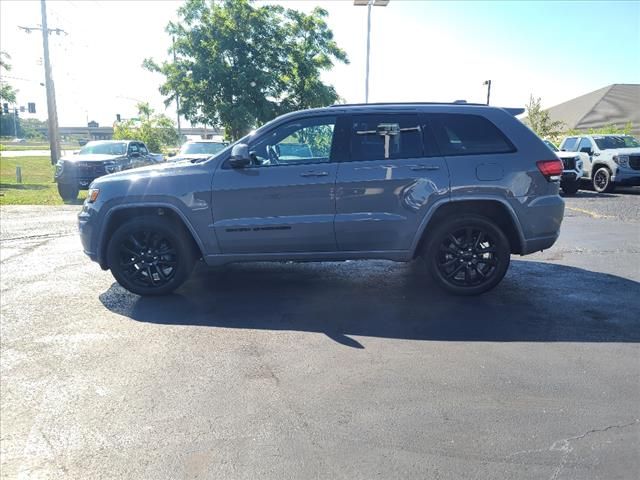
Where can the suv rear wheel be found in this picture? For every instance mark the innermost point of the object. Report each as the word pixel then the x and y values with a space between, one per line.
pixel 150 256
pixel 467 255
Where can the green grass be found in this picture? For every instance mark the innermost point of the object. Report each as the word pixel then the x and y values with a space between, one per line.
pixel 37 187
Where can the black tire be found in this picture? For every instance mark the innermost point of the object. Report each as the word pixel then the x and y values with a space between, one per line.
pixel 151 255
pixel 602 180
pixel 472 247
pixel 570 188
pixel 68 191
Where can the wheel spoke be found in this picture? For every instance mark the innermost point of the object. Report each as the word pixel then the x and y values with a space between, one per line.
pixel 455 271
pixel 479 271
pixel 468 236
pixel 467 274
pixel 476 244
pixel 455 240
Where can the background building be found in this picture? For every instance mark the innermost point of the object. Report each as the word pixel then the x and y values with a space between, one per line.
pixel 616 104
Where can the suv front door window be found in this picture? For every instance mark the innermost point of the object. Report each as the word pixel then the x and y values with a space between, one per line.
pixel 302 142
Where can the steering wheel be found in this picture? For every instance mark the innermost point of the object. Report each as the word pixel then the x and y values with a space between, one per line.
pixel 273 154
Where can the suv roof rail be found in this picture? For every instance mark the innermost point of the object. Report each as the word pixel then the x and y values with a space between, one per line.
pixel 457 102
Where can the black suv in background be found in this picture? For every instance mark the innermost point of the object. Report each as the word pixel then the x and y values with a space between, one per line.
pixel 95 159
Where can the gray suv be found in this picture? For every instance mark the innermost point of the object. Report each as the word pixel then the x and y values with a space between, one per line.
pixel 460 186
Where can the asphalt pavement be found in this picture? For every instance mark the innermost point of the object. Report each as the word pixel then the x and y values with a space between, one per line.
pixel 351 370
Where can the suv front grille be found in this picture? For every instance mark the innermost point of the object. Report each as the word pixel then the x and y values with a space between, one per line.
pixel 634 162
pixel 90 169
pixel 569 163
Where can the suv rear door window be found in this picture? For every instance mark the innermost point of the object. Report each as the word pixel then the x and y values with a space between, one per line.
pixel 461 134
pixel 386 136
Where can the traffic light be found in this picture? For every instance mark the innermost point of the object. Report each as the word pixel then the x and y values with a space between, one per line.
pixel 31 107
pixel 5 108
pixel 118 117
pixel 21 108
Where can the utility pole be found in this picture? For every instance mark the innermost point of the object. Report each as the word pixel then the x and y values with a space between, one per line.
pixel 488 84
pixel 15 123
pixel 173 45
pixel 54 139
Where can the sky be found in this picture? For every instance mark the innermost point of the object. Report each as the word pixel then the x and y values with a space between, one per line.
pixel 420 51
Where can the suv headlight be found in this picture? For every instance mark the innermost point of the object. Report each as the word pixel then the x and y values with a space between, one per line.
pixel 92 195
pixel 59 168
pixel 112 167
pixel 622 160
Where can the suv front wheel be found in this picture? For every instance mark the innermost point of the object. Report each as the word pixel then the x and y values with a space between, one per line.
pixel 467 255
pixel 602 180
pixel 150 255
pixel 68 191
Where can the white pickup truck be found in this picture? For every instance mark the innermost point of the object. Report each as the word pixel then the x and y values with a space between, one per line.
pixel 611 160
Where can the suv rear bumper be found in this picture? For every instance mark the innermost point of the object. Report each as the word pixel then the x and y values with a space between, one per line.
pixel 541 220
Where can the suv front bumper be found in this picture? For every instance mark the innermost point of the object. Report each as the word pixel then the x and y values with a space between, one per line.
pixel 626 176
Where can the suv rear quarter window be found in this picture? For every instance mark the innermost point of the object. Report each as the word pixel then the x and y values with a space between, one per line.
pixel 467 134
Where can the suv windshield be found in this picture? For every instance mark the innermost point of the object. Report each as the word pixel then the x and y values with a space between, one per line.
pixel 199 148
pixel 104 148
pixel 610 141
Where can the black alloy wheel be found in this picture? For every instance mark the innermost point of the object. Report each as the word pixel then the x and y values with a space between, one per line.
pixel 150 255
pixel 147 258
pixel 468 255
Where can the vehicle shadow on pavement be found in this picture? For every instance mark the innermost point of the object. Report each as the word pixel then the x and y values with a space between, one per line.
pixel 536 302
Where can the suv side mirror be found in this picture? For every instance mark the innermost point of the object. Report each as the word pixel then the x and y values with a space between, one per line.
pixel 586 150
pixel 240 157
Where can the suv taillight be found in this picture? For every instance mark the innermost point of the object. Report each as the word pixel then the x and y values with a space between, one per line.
pixel 551 169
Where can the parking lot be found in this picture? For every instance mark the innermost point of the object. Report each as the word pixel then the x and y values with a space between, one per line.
pixel 333 370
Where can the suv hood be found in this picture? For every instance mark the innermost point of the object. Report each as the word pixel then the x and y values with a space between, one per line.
pixel 90 157
pixel 622 151
pixel 160 169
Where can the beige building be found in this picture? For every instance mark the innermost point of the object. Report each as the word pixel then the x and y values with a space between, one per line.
pixel 616 104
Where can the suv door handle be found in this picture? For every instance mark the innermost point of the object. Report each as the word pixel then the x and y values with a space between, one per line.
pixel 314 174
pixel 424 167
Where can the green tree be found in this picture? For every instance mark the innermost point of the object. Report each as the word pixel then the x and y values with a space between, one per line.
pixel 7 92
pixel 238 65
pixel 32 128
pixel 155 130
pixel 540 122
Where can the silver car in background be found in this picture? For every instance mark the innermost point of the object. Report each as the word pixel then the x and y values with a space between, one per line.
pixel 199 149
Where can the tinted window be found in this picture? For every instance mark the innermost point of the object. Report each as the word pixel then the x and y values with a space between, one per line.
pixel 570 144
pixel 459 134
pixel 614 141
pixel 380 137
pixel 133 148
pixel 143 149
pixel 307 140
pixel 584 143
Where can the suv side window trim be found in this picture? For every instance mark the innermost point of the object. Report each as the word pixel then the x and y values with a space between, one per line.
pixel 443 135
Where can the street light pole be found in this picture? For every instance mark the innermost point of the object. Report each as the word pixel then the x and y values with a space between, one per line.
pixel 488 84
pixel 369 4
